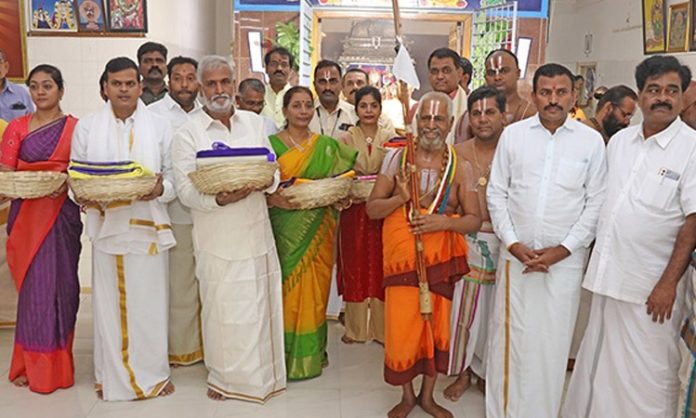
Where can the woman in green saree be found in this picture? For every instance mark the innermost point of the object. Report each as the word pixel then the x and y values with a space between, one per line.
pixel 305 238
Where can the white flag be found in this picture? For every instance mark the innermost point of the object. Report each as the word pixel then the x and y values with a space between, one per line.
pixel 404 69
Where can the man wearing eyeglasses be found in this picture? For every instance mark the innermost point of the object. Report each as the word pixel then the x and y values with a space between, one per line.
pixel 445 72
pixel 279 62
pixel 614 111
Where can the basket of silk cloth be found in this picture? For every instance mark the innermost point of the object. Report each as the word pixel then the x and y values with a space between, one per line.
pixel 30 184
pixel 106 182
pixel 225 169
pixel 310 194
pixel 362 187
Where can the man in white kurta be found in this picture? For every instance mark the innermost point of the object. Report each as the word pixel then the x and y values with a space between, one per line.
pixel 236 260
pixel 130 243
pixel 185 346
pixel 629 359
pixel 546 190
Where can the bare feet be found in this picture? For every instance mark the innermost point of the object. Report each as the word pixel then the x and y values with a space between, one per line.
pixel 454 391
pixel 347 340
pixel 21 382
pixel 168 389
pixel 215 396
pixel 433 409
pixel 100 394
pixel 481 385
pixel 402 409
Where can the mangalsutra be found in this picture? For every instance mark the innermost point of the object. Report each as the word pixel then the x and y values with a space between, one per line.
pixel 295 143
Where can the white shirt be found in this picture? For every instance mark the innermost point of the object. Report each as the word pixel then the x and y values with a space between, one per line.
pixel 332 124
pixel 269 127
pixel 547 189
pixel 273 106
pixel 651 190
pixel 172 111
pixel 217 229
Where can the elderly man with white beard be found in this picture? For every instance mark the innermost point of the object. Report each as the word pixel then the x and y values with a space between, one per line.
pixel 236 260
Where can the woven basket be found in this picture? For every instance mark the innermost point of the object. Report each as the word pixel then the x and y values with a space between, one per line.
pixel 361 189
pixel 30 184
pixel 318 193
pixel 108 189
pixel 228 177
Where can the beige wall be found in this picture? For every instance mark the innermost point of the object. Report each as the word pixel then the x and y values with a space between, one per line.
pixel 186 27
pixel 617 32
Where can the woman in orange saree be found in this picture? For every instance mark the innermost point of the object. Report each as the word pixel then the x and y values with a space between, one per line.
pixel 43 247
pixel 305 238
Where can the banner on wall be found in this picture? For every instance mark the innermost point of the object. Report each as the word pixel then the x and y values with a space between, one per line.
pixel 526 8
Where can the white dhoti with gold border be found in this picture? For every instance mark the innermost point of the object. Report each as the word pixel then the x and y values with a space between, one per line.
pixel 530 334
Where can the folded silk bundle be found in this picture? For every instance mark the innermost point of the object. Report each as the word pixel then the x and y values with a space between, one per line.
pixel 223 152
pixel 116 170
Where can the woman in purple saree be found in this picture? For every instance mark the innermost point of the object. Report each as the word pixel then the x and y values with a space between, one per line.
pixel 43 246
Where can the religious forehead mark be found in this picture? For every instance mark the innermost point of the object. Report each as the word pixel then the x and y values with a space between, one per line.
pixel 434 107
pixel 496 64
pixel 327 75
pixel 482 105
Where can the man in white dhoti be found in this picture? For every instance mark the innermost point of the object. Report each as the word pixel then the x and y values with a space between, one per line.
pixel 130 242
pixel 236 260
pixel 546 190
pixel 629 359
pixel 185 346
pixel 473 296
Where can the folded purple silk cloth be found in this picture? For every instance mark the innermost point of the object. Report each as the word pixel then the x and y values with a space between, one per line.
pixel 222 150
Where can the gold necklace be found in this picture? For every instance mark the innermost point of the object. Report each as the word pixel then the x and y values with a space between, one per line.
pixel 483 180
pixel 295 144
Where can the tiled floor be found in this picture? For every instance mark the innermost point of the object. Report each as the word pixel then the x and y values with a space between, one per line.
pixel 351 387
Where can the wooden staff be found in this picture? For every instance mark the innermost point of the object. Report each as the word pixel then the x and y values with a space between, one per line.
pixel 426 304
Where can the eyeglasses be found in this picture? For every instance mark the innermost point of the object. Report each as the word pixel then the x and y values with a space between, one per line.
pixel 626 115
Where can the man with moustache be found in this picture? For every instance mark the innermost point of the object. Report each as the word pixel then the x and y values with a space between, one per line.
pixel 645 238
pixel 236 258
pixel 130 242
pixel 444 73
pixel 184 335
pixel 353 80
pixel 279 62
pixel 416 342
pixel 546 190
pixel 332 116
pixel 251 97
pixel 614 111
pixel 152 58
pixel 473 296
